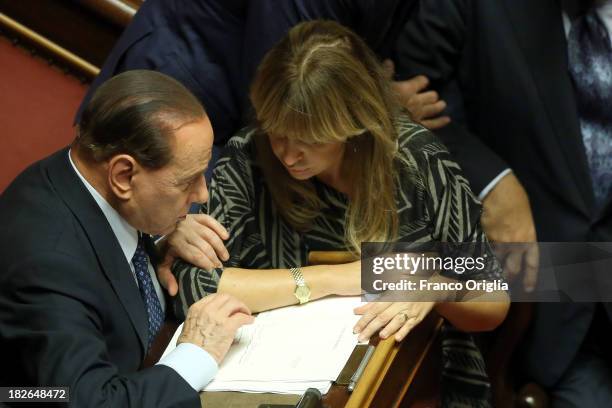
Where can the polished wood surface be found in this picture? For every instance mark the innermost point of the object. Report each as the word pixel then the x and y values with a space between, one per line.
pixel 119 12
pixel 396 367
pixel 399 374
pixel 331 257
pixel 62 55
pixel 78 33
pixel 67 23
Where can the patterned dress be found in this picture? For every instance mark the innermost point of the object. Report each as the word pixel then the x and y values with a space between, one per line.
pixel 434 203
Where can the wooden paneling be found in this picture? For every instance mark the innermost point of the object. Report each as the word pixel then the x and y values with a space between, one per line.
pixel 402 374
pixel 55 55
pixel 87 28
pixel 119 12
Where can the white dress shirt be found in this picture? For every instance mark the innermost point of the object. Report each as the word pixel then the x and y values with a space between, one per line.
pixel 604 10
pixel 191 362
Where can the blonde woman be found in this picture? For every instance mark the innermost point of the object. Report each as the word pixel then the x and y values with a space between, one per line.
pixel 331 162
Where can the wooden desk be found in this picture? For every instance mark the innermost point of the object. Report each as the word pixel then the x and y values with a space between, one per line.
pixel 398 374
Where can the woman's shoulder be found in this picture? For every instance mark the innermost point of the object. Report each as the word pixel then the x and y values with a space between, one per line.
pixel 416 139
pixel 239 149
pixel 417 147
pixel 243 140
pixel 238 159
pixel 422 155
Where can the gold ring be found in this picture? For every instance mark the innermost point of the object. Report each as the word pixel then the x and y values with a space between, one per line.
pixel 404 317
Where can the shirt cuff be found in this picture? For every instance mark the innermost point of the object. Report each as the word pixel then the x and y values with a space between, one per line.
pixel 492 184
pixel 193 363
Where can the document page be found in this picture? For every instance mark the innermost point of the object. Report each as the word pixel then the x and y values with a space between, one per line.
pixel 290 349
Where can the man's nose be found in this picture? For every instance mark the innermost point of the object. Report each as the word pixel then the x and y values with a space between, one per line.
pixel 201 191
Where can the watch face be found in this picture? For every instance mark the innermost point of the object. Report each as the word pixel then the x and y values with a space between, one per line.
pixel 302 293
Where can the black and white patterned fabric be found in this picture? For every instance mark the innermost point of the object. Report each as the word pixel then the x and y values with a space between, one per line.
pixel 434 203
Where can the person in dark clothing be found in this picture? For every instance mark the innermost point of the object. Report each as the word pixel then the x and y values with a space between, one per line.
pixel 213 47
pixel 534 80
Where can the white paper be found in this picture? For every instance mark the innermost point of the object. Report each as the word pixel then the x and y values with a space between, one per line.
pixel 289 350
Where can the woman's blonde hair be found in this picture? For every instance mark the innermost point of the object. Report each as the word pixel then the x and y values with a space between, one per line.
pixel 322 84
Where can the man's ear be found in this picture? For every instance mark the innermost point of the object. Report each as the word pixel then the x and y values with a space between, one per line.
pixel 121 170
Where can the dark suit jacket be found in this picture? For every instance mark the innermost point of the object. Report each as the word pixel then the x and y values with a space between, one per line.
pixel 197 42
pixel 509 60
pixel 377 22
pixel 70 310
pixel 214 47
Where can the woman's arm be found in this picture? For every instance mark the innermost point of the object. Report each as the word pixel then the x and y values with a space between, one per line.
pixel 454 216
pixel 271 288
pixel 456 213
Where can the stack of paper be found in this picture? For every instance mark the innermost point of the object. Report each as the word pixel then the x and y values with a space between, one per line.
pixel 289 350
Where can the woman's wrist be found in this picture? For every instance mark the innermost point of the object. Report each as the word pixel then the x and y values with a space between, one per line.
pixel 346 278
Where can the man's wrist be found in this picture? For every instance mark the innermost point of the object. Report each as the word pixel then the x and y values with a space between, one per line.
pixel 485 191
pixel 194 364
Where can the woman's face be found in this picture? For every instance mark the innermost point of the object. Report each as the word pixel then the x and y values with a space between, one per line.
pixel 306 160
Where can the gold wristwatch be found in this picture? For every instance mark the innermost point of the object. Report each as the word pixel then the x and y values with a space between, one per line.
pixel 302 291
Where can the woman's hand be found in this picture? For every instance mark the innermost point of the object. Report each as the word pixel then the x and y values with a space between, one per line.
pixel 198 239
pixel 397 318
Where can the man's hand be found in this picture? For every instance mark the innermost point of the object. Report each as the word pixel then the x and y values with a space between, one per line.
pixel 212 322
pixel 397 318
pixel 198 239
pixel 507 219
pixel 424 107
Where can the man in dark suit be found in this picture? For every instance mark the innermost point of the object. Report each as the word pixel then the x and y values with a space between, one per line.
pixel 524 145
pixel 213 47
pixel 198 43
pixel 79 300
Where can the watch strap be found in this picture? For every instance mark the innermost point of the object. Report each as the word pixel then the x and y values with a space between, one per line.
pixel 297 276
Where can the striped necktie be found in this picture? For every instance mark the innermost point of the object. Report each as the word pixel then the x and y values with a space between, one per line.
pixel 590 65
pixel 147 290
